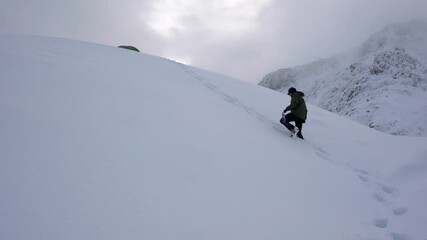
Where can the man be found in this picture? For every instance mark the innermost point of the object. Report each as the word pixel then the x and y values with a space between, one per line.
pixel 298 112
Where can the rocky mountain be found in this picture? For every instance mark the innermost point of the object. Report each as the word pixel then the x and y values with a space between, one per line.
pixel 382 83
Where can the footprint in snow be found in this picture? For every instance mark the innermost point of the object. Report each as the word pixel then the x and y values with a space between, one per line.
pixel 387 189
pixel 380 198
pixel 325 156
pixel 400 211
pixel 363 178
pixel 398 236
pixel 381 223
pixel 364 172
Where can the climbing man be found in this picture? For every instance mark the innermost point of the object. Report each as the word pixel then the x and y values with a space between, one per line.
pixel 298 112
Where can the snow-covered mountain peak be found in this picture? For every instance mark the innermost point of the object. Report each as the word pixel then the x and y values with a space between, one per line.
pixel 398 64
pixel 382 83
pixel 410 36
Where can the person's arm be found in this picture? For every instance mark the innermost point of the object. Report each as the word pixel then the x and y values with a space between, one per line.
pixel 294 104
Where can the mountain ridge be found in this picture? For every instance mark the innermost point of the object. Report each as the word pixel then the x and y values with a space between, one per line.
pixel 363 84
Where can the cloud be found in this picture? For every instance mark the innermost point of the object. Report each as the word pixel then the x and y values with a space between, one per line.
pixel 294 32
pixel 220 17
pixel 208 31
pixel 241 38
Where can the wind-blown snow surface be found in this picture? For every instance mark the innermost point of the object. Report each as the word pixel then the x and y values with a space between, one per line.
pixel 382 83
pixel 98 142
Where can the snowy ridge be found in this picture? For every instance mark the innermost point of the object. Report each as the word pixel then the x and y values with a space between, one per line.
pixel 381 84
pixel 99 142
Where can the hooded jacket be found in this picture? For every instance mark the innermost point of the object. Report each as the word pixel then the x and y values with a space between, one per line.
pixel 297 106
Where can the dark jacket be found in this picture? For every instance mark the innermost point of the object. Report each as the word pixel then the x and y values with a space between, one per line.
pixel 297 106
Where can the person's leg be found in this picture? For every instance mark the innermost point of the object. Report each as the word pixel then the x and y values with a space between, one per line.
pixel 284 120
pixel 299 126
pixel 289 118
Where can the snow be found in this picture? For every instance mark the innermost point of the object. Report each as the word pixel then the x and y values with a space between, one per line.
pixel 98 142
pixel 381 84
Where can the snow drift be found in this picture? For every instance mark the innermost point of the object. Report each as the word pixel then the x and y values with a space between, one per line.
pixel 98 142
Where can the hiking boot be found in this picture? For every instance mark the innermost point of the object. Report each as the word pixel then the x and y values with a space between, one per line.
pixel 299 134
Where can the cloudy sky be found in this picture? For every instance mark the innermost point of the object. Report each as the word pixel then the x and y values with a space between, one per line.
pixel 245 39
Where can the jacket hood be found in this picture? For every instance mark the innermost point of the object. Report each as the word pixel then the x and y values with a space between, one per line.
pixel 299 93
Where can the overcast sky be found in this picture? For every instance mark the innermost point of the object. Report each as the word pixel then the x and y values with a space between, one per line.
pixel 245 39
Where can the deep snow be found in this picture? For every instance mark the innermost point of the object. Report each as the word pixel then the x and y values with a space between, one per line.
pixel 98 142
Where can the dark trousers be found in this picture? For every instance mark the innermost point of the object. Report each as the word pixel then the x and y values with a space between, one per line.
pixel 292 118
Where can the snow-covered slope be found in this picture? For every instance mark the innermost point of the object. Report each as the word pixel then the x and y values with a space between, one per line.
pixel 98 142
pixel 382 83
